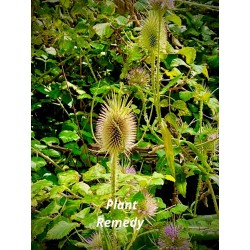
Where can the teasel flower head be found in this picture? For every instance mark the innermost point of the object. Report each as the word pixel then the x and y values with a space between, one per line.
pixel 153 32
pixel 161 4
pixel 116 126
pixel 170 239
pixel 138 76
pixel 147 208
pixel 94 242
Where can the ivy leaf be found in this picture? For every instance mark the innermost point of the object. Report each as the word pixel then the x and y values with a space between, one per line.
pixel 170 178
pixel 103 29
pixel 189 53
pixel 81 188
pixel 50 51
pixel 51 152
pixel 60 230
pixel 39 185
pixel 38 225
pixel 68 136
pixel 68 177
pixel 37 162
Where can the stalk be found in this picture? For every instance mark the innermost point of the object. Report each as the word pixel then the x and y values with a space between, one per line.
pixel 216 208
pixel 197 194
pixel 114 160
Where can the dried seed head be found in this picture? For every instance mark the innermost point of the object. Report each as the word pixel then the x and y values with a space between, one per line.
pixel 151 35
pixel 138 76
pixel 116 126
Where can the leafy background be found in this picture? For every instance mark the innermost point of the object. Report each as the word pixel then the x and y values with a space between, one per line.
pixel 94 44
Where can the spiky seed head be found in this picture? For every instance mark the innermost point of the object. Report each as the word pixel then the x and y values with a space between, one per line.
pixel 151 35
pixel 148 206
pixel 116 126
pixel 94 242
pixel 138 76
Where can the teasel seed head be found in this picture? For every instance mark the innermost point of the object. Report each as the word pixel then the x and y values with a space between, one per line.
pixel 147 208
pixel 150 33
pixel 94 242
pixel 138 76
pixel 116 126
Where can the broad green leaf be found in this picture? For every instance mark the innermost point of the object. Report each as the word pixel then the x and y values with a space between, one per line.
pixel 90 221
pixel 50 51
pixel 65 3
pixel 189 53
pixel 182 107
pixel 38 162
pixel 51 152
pixel 71 207
pixel 170 84
pixel 68 177
pixel 50 140
pixel 52 208
pixel 102 188
pixel 170 178
pixel 39 185
pixel 81 188
pixel 68 136
pixel 163 215
pixel 174 18
pixel 172 119
pixel 177 62
pixel 121 20
pixel 186 95
pixel 56 191
pixel 179 209
pixel 60 230
pixel 167 140
pixel 103 29
pixel 38 225
pixel 94 173
pixel 81 215
pixel 181 186
pixel 173 73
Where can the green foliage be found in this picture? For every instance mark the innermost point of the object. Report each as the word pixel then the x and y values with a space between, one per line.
pixel 81 51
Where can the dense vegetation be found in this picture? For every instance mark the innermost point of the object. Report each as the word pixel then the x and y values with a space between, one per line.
pixel 154 64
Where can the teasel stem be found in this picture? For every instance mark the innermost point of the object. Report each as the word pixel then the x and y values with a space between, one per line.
pixel 135 233
pixel 216 208
pixel 114 160
pixel 197 194
pixel 157 97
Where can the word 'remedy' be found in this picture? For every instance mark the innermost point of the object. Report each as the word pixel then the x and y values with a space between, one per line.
pixel 135 223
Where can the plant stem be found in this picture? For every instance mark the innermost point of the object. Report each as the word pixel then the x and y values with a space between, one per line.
pixel 114 160
pixel 135 232
pixel 47 158
pixel 213 197
pixel 197 194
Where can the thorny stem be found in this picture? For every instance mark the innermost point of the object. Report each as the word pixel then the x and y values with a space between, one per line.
pixel 215 8
pixel 197 194
pixel 135 233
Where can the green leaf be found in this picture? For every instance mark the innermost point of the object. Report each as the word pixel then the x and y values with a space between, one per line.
pixel 50 140
pixel 170 84
pixel 50 51
pixel 186 95
pixel 71 207
pixel 61 229
pixel 81 188
pixel 94 173
pixel 68 136
pixel 179 209
pixel 177 62
pixel 182 107
pixel 68 177
pixel 51 153
pixel 167 140
pixel 174 18
pixel 189 53
pixel 81 215
pixel 121 20
pixel 103 29
pixel 39 185
pixel 170 178
pixel 38 225
pixel 172 119
pixel 163 215
pixel 102 188
pixel 52 208
pixel 38 162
